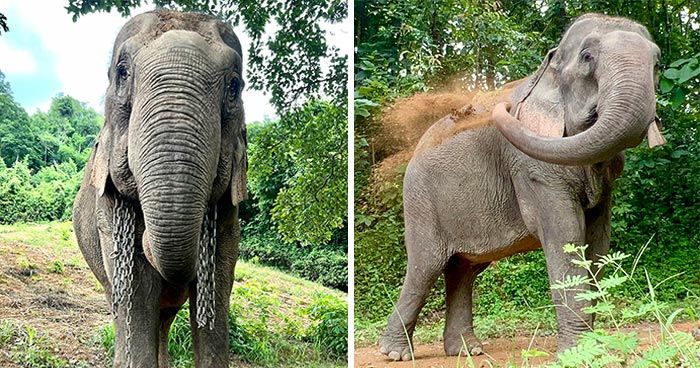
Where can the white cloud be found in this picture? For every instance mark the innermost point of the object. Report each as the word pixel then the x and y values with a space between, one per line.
pixel 79 51
pixel 43 106
pixel 15 61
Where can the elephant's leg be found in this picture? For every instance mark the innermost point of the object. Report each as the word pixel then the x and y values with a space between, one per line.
pixel 426 260
pixel 211 348
pixel 211 345
pixel 459 335
pixel 145 319
pixel 167 316
pixel 598 237
pixel 561 221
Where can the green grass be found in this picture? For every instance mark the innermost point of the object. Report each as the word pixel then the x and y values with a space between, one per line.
pixel 53 237
pixel 275 319
pixel 31 348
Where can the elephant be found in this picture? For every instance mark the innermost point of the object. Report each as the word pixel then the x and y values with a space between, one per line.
pixel 537 175
pixel 156 215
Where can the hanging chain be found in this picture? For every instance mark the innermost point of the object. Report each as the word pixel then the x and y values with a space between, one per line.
pixel 206 269
pixel 123 276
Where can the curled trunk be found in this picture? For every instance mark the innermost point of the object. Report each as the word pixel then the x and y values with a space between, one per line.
pixel 626 108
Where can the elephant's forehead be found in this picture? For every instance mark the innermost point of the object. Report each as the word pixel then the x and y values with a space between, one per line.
pixel 600 25
pixel 150 26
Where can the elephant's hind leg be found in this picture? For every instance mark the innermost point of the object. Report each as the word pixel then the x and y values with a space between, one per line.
pixel 425 263
pixel 459 335
pixel 167 316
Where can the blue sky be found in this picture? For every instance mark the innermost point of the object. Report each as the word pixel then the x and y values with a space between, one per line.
pixel 46 53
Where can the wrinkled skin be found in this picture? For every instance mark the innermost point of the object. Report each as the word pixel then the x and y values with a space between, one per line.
pixel 172 145
pixel 540 178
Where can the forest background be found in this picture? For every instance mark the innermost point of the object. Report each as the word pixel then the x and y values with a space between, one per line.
pixel 407 47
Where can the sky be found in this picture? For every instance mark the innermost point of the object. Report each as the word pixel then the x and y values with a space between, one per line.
pixel 45 53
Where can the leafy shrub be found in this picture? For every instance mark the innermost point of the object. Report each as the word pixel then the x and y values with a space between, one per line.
pixel 330 334
pixel 32 349
pixel 327 267
pixel 602 349
pixel 325 264
pixel 56 266
pixel 45 196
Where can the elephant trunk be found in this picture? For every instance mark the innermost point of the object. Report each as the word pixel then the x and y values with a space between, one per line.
pixel 626 107
pixel 177 160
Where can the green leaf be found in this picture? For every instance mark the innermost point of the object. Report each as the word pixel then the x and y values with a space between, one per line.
pixel 600 308
pixel 679 153
pixel 688 72
pixel 362 112
pixel 612 281
pixel 570 282
pixel 678 63
pixel 666 85
pixel 671 73
pixel 677 97
pixel 590 295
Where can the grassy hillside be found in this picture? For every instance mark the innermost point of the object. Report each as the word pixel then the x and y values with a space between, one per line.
pixel 54 314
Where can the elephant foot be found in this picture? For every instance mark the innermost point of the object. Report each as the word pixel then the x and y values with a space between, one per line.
pixel 457 346
pixel 395 348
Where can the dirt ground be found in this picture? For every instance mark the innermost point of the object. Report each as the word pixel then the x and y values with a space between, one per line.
pixel 69 306
pixel 500 352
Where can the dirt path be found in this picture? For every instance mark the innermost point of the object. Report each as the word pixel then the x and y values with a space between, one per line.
pixel 65 303
pixel 501 352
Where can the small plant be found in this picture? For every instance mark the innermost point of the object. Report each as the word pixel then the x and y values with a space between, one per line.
pixel 56 266
pixel 330 334
pixel 617 348
pixel 106 341
pixel 180 339
pixel 7 332
pixel 26 267
pixel 35 350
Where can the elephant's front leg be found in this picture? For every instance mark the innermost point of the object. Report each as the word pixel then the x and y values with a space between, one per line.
pixel 136 330
pixel 562 221
pixel 211 347
pixel 598 236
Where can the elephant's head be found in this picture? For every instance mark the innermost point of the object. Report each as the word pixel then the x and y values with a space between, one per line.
pixel 174 135
pixel 592 97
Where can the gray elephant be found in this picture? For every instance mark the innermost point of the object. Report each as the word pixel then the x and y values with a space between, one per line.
pixel 540 178
pixel 156 216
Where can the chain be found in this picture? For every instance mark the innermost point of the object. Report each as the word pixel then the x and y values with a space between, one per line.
pixel 123 255
pixel 206 270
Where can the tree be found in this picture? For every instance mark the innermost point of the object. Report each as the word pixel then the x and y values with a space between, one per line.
pixel 3 23
pixel 16 139
pixel 307 82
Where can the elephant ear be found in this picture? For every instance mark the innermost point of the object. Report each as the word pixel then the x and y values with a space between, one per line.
pixel 99 162
pixel 540 111
pixel 239 168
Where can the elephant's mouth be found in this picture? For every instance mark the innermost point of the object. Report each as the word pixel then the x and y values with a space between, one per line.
pixel 592 116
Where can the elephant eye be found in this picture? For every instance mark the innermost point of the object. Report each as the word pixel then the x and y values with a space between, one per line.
pixel 586 56
pixel 122 74
pixel 234 88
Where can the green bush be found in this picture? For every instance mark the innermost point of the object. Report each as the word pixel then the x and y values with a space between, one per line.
pixel 330 333
pixel 325 264
pixel 45 196
pixel 327 267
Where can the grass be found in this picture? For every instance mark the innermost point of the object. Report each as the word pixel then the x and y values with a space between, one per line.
pixel 275 319
pixel 30 348
pixel 610 344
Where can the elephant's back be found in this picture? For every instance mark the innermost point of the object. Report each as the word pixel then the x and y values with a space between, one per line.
pixel 461 185
pixel 475 115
